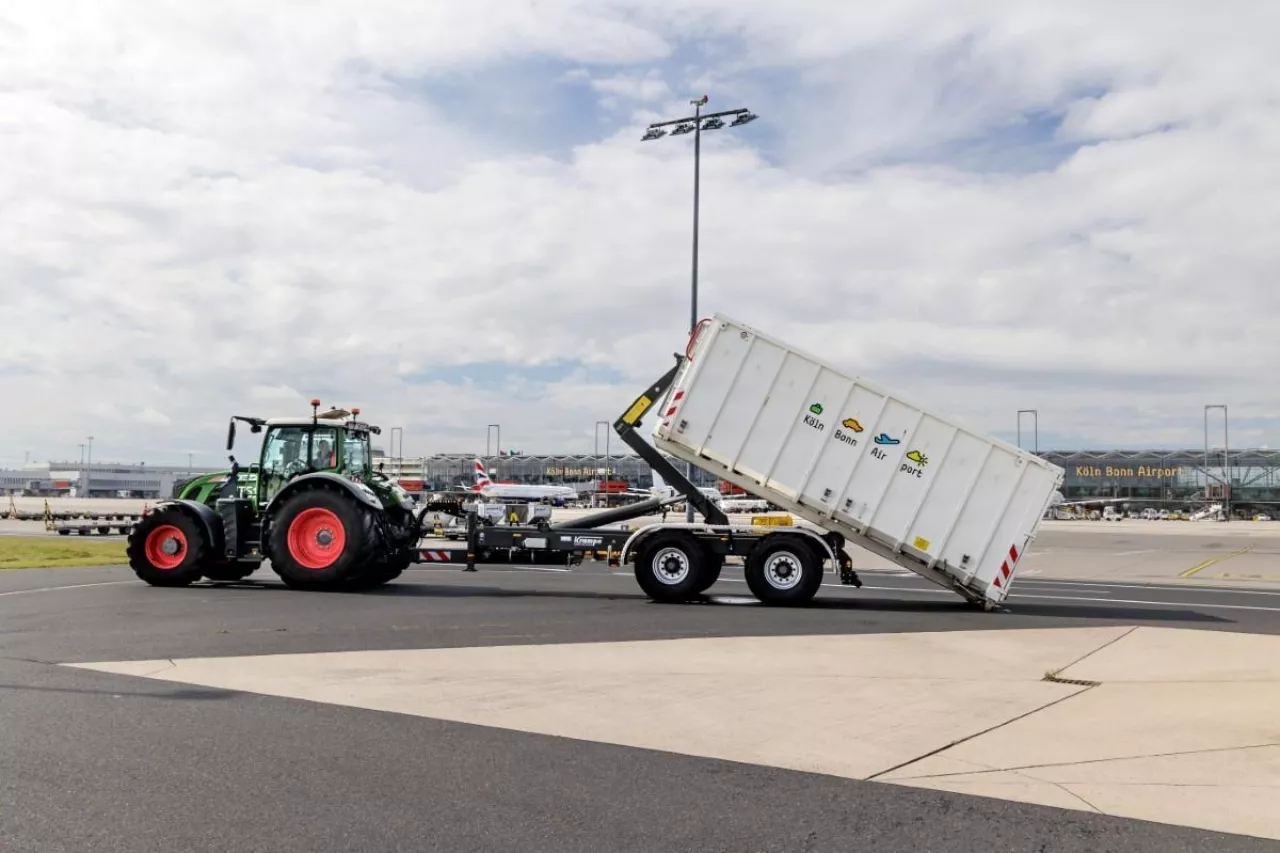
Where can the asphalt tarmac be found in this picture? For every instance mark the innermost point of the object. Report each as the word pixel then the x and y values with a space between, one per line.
pixel 102 762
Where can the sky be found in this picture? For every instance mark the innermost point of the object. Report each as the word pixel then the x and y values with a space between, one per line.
pixel 444 214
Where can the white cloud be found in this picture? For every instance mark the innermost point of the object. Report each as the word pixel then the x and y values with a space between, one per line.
pixel 202 213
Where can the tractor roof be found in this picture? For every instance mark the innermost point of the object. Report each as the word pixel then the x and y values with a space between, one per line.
pixel 306 421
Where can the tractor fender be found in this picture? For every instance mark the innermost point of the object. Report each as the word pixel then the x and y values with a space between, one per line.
pixel 359 491
pixel 203 516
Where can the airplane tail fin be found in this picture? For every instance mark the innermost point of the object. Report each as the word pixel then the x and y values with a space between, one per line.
pixel 482 477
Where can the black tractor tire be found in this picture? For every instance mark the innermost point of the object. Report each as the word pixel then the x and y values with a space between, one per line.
pixel 168 548
pixel 784 570
pixel 321 539
pixel 671 567
pixel 229 572
pixel 381 572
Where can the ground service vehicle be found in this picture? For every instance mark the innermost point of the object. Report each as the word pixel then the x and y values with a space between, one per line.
pixel 853 460
pixel 312 505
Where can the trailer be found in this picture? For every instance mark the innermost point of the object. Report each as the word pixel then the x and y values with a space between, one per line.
pixel 859 463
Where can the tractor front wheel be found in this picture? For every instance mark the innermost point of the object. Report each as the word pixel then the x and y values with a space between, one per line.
pixel 168 548
pixel 320 539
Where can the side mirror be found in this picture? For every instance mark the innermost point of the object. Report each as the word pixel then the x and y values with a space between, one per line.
pixel 231 434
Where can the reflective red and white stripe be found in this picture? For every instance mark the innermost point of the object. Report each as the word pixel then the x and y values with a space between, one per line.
pixel 676 399
pixel 435 556
pixel 1006 568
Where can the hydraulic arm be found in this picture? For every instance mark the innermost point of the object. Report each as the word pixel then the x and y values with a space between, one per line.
pixel 626 427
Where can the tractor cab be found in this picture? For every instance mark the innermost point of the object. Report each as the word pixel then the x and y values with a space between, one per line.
pixel 328 442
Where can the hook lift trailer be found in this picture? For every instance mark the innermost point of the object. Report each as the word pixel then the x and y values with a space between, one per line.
pixel 674 561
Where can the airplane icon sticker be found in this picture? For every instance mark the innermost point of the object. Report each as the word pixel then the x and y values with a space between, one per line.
pixel 851 424
pixel 883 438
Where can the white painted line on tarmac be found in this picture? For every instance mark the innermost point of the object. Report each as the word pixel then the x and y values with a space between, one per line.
pixel 1186 605
pixel 1188 587
pixel 457 568
pixel 68 586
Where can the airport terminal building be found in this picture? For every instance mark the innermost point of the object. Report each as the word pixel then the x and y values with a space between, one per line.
pixel 1173 479
pixel 1161 479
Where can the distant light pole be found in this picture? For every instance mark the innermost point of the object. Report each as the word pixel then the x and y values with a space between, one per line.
pixel 398 457
pixel 490 431
pixel 1226 463
pixel 88 473
pixel 1035 417
pixel 606 425
pixel 695 124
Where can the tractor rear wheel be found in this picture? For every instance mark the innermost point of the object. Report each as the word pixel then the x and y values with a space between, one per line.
pixel 168 548
pixel 321 539
pixel 381 572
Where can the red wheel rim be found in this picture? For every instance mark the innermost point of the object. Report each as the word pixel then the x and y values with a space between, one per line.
pixel 316 538
pixel 166 547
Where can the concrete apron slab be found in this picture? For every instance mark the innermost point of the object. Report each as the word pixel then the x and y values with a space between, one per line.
pixel 969 711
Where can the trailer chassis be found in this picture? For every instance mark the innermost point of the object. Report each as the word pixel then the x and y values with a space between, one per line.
pixel 673 562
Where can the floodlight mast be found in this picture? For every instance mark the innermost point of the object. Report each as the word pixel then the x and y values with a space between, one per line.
pixel 695 124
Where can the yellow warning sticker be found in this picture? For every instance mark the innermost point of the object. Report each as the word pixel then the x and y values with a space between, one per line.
pixel 921 543
pixel 772 521
pixel 638 408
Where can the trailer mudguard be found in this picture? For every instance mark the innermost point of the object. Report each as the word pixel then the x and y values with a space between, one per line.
pixel 359 491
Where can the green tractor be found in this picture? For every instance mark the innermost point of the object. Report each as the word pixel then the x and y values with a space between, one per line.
pixel 312 505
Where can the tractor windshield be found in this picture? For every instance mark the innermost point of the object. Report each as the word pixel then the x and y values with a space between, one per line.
pixel 284 456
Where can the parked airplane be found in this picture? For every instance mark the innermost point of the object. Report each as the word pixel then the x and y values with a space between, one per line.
pixel 1058 503
pixel 519 491
pixel 743 504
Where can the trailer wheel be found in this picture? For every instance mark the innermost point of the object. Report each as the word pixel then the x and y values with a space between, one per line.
pixel 320 539
pixel 784 570
pixel 671 567
pixel 711 574
pixel 168 548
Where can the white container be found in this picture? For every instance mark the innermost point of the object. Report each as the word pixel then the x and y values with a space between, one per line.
pixel 853 458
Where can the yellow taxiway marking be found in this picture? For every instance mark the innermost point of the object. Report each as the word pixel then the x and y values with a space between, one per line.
pixel 1209 562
